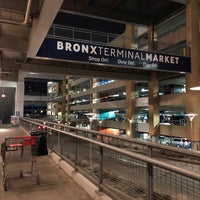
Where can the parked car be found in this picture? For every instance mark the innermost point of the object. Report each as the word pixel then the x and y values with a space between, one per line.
pixel 163 139
pixel 180 143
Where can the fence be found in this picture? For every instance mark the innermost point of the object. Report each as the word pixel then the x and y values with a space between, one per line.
pixel 102 38
pixel 125 168
pixel 91 36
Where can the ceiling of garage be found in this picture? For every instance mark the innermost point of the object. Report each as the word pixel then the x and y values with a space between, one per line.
pixel 24 24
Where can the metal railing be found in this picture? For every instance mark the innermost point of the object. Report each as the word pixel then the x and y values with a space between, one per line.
pixel 125 168
pixel 115 40
pixel 91 36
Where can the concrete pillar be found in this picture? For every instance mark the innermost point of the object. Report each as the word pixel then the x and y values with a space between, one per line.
pixel 193 79
pixel 154 116
pixel 57 104
pixel 94 95
pixel 69 86
pixel 95 123
pixel 130 107
pixel 152 38
pixel 130 87
pixel 154 112
pixel 63 107
pixel 19 97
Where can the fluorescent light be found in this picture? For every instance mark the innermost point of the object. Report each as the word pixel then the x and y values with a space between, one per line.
pixel 191 116
pixel 197 88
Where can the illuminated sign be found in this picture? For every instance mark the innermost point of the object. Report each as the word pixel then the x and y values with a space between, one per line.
pixel 107 55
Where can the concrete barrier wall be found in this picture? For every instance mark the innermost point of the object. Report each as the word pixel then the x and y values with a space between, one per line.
pixel 90 188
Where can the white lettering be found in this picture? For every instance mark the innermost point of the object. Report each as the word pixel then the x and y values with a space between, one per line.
pixel 155 58
pixel 68 46
pixel 104 60
pixel 176 60
pixel 131 62
pixel 112 52
pixel 106 52
pixel 166 59
pixel 100 50
pixel 142 58
pixel 149 56
pixel 95 59
pixel 93 50
pixel 122 54
pixel 76 47
pixel 137 56
pixel 85 48
pixel 161 58
pixel 130 54
pixel 122 62
pixel 60 45
pixel 172 60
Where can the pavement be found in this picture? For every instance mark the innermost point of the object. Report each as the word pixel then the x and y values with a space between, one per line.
pixel 54 182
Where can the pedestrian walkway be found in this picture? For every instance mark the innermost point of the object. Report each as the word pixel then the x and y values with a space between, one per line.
pixel 54 182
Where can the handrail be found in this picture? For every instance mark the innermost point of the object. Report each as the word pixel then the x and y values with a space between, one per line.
pixel 74 33
pixel 125 139
pixel 62 139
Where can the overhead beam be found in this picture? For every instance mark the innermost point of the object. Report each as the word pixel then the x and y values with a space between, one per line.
pixel 12 43
pixel 70 71
pixel 9 76
pixel 46 76
pixel 9 63
pixel 14 29
pixel 41 25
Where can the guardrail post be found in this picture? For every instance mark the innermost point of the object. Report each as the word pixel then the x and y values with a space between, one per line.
pixel 31 127
pixel 76 154
pixel 59 148
pixel 149 176
pixel 90 153
pixel 61 139
pixel 101 166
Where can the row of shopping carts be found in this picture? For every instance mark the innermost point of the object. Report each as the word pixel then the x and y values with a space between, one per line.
pixel 19 158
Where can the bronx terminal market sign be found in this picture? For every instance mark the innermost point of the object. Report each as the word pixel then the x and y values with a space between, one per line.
pixel 107 55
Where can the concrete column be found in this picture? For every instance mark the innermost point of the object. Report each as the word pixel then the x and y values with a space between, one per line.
pixel 193 79
pixel 57 104
pixel 154 117
pixel 19 97
pixel 69 98
pixel 63 107
pixel 152 38
pixel 154 112
pixel 130 107
pixel 94 123
pixel 56 109
pixel 130 87
pixel 94 96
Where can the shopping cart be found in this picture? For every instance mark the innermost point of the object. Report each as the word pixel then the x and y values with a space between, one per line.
pixel 19 158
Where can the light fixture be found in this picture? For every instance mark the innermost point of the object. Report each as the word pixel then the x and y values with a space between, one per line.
pixel 191 116
pixel 3 95
pixel 197 88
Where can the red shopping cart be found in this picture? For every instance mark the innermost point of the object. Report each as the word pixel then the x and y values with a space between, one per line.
pixel 19 158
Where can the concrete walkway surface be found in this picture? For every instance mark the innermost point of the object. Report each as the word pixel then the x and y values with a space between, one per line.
pixel 55 184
